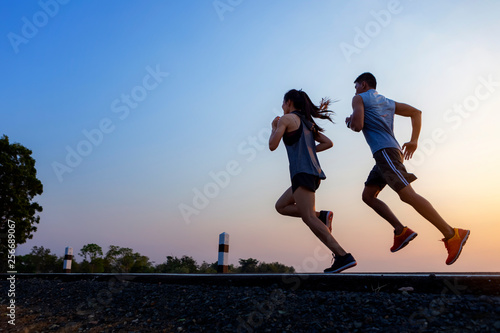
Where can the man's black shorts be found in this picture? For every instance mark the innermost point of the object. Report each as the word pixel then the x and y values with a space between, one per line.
pixel 389 170
pixel 306 180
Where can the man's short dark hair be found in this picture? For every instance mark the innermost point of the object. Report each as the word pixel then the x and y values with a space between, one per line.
pixel 368 78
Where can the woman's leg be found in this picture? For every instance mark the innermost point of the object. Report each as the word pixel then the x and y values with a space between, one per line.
pixel 305 207
pixel 286 204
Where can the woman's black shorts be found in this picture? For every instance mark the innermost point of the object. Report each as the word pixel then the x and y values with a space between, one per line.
pixel 306 180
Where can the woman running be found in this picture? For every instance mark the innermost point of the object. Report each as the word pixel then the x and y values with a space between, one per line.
pixel 300 134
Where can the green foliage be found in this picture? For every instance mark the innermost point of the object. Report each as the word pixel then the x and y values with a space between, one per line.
pixel 206 268
pixel 274 267
pixel 125 260
pixel 251 265
pixel 94 252
pixel 18 187
pixel 141 264
pixel 94 266
pixel 40 260
pixel 175 265
pixel 248 265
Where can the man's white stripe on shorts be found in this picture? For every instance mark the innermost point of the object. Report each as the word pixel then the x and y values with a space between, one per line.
pixel 403 179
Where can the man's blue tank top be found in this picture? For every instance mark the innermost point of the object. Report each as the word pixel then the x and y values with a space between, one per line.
pixel 302 153
pixel 378 127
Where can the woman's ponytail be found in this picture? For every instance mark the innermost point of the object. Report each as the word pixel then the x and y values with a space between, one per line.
pixel 302 102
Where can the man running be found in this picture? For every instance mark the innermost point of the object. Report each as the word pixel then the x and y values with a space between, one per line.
pixel 374 115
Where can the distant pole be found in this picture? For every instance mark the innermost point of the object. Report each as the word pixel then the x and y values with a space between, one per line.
pixel 68 256
pixel 222 265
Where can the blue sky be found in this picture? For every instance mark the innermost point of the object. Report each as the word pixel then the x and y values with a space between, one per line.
pixel 157 97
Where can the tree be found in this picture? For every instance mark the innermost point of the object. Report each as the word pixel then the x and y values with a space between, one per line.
pixel 94 252
pixel 251 265
pixel 248 265
pixel 18 187
pixel 206 268
pixel 183 265
pixel 141 264
pixel 274 267
pixel 39 260
pixel 123 259
pixel 115 259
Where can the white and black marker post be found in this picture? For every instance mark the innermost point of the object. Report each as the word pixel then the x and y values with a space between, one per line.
pixel 68 257
pixel 222 265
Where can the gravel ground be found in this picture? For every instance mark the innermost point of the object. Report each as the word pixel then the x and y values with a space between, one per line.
pixel 121 306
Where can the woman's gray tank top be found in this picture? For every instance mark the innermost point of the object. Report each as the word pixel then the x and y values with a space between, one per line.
pixel 302 154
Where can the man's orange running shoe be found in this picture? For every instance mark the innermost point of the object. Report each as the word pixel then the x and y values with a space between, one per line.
pixel 403 239
pixel 455 244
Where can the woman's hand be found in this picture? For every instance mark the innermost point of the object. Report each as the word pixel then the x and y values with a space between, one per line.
pixel 274 124
pixel 324 142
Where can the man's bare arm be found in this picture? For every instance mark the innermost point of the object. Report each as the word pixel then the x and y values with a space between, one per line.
pixel 357 119
pixel 406 110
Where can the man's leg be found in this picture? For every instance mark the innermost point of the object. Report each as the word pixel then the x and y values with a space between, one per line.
pixel 402 235
pixel 454 239
pixel 424 208
pixel 370 194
